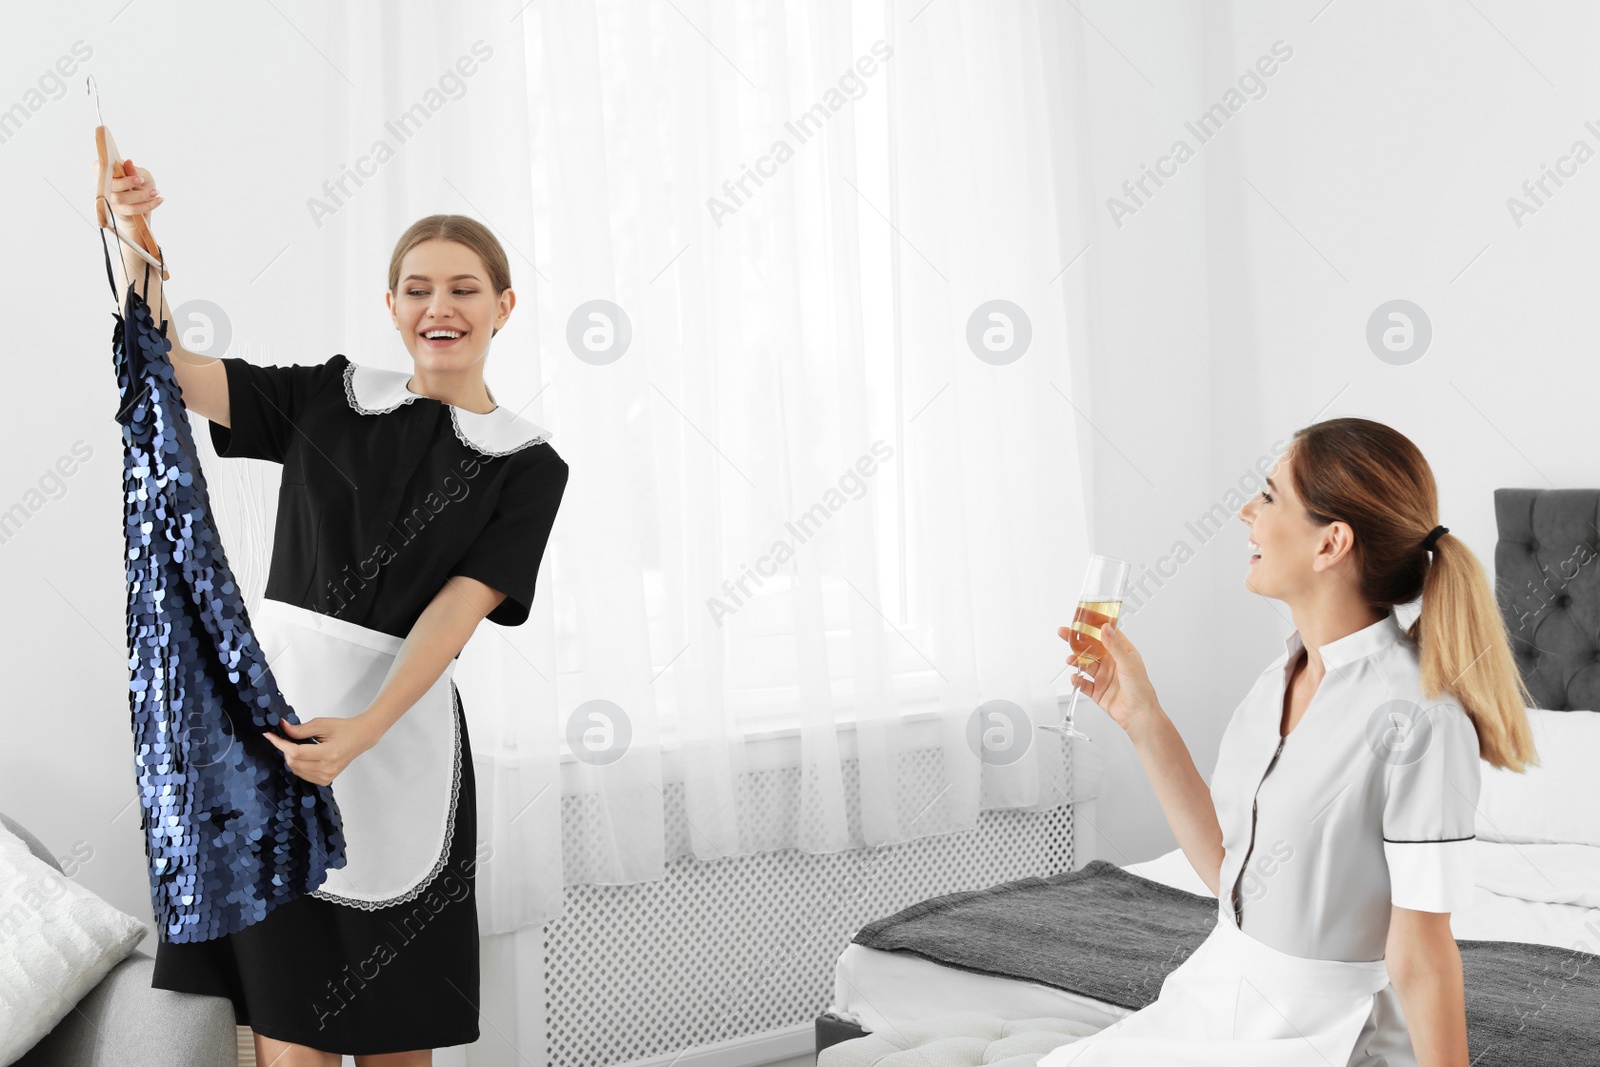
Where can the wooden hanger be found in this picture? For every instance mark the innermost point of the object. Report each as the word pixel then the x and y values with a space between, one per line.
pixel 110 166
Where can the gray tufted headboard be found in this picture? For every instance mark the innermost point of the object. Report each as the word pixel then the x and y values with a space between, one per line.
pixel 1547 580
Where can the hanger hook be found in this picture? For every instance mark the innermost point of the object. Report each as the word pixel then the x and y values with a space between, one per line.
pixel 94 90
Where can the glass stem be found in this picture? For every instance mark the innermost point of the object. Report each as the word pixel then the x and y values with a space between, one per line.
pixel 1073 705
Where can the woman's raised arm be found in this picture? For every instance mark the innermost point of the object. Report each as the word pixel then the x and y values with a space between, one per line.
pixel 1122 689
pixel 201 379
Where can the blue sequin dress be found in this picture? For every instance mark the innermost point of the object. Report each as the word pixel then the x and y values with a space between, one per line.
pixel 230 833
pixel 385 495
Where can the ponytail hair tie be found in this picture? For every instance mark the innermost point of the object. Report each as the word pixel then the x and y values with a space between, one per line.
pixel 1433 537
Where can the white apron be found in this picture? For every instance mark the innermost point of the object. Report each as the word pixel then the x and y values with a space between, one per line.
pixel 1237 1002
pixel 397 799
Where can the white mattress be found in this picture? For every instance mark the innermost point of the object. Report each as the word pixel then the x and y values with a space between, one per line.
pixel 879 990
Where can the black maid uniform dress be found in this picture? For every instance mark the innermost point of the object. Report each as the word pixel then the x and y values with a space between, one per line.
pixel 385 494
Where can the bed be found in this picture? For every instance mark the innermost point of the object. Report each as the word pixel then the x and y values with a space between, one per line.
pixel 1530 938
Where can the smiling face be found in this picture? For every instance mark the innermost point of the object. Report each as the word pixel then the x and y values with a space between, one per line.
pixel 1290 549
pixel 444 289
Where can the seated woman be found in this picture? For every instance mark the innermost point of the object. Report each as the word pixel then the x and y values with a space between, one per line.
pixel 1335 831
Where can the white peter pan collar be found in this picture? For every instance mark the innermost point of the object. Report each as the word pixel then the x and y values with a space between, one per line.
pixel 377 390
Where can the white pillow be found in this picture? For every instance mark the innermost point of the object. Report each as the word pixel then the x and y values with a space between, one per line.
pixel 1557 802
pixel 1551 874
pixel 60 940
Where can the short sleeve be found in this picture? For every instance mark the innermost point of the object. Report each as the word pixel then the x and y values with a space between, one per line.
pixel 1429 808
pixel 264 404
pixel 507 553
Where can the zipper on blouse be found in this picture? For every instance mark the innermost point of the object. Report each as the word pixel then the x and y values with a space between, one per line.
pixel 1238 905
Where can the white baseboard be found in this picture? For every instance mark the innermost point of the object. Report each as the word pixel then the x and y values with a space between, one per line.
pixel 752 1050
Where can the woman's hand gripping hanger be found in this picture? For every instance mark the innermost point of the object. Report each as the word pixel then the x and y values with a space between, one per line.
pixel 110 165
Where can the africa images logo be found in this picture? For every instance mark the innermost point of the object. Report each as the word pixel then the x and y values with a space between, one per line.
pixel 1398 732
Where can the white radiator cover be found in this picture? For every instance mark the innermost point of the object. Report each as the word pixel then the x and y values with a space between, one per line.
pixel 746 945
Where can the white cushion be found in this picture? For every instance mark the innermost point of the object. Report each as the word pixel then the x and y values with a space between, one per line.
pixel 60 940
pixel 1557 802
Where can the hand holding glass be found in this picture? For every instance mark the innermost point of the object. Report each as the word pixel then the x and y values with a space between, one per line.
pixel 1099 602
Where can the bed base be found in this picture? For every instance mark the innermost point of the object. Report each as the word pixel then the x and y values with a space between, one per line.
pixel 831 1030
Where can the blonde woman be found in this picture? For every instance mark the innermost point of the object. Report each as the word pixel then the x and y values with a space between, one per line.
pixel 1337 827
pixel 412 507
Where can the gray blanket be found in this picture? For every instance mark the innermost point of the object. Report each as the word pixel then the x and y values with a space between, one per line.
pixel 1102 932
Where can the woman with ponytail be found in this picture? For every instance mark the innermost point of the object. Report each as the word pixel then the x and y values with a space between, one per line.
pixel 1336 829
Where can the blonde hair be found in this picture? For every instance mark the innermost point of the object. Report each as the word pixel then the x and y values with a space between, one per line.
pixel 470 232
pixel 1374 478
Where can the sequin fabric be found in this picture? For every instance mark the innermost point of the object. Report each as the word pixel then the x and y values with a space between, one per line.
pixel 230 831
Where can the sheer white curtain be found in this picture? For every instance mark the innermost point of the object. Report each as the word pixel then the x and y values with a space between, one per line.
pixel 819 512
pixel 797 208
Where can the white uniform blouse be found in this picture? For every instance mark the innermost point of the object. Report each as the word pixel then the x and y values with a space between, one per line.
pixel 1368 802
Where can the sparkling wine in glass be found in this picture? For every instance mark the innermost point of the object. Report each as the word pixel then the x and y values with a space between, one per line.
pixel 1099 602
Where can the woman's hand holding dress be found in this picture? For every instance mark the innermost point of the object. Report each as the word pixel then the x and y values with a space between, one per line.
pixel 339 742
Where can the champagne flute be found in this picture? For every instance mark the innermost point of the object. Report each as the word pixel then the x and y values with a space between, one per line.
pixel 1099 602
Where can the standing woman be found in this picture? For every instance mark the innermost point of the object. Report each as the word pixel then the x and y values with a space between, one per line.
pixel 412 507
pixel 1336 831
